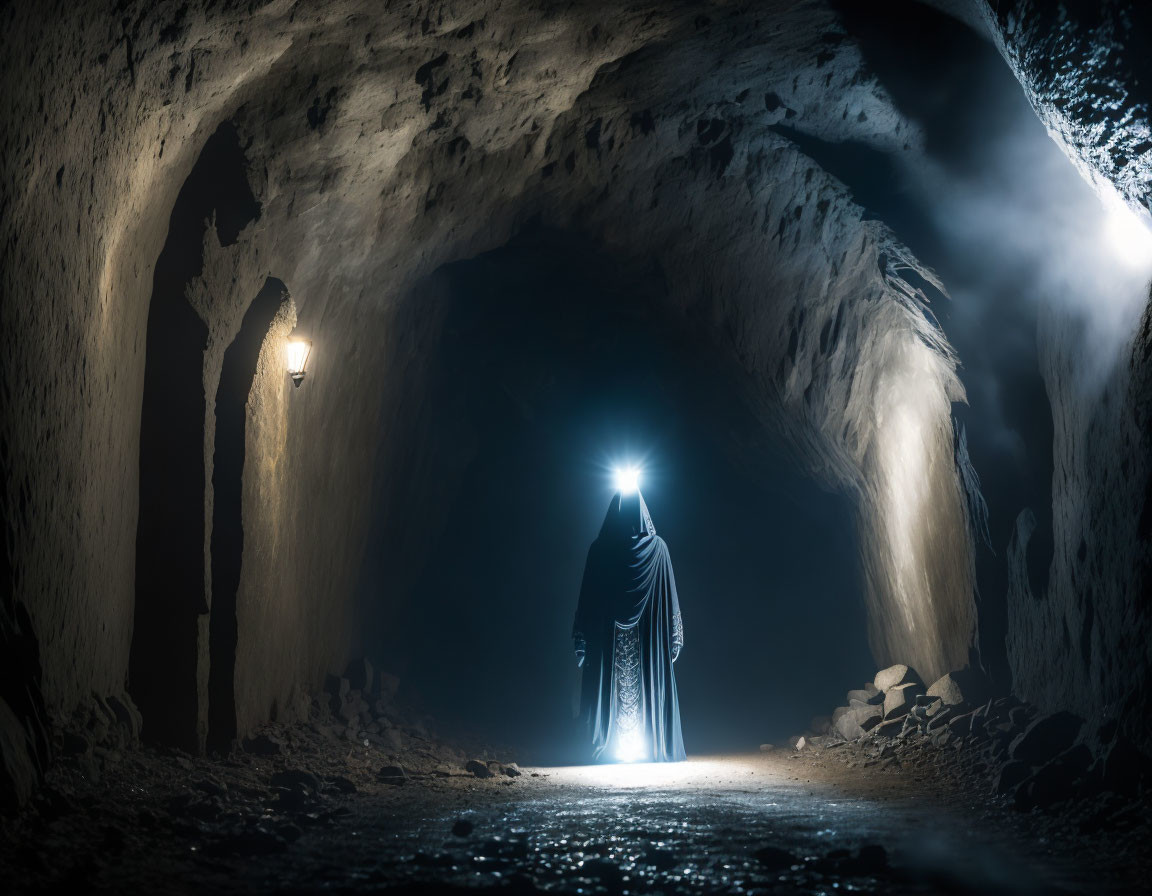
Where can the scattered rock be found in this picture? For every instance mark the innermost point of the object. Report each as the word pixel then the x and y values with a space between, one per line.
pixel 866 695
pixel 886 679
pixel 1010 776
pixel 462 828
pixel 339 784
pixel 899 699
pixel 1121 767
pixel 767 748
pixel 295 778
pixel 263 745
pixel 359 675
pixel 1056 781
pixel 478 768
pixel 868 716
pixel 775 859
pixel 1046 738
pixel 392 774
pixel 846 726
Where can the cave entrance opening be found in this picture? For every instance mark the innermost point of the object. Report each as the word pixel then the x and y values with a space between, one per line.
pixel 227 541
pixel 169 620
pixel 552 361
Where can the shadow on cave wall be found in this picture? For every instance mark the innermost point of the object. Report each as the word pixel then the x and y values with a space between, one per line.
pixel 236 378
pixel 170 573
pixel 552 363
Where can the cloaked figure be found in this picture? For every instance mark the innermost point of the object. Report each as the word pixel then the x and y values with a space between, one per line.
pixel 628 633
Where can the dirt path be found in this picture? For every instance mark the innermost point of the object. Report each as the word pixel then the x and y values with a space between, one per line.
pixel 318 816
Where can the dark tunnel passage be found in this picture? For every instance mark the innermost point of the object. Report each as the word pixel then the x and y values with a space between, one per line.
pixel 170 555
pixel 555 365
pixel 862 290
pixel 227 542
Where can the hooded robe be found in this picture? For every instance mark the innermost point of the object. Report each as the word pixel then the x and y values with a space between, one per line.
pixel 628 632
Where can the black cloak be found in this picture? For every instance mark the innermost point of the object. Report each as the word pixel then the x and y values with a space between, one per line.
pixel 629 633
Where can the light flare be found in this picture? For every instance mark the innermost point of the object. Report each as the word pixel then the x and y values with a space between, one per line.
pixel 627 479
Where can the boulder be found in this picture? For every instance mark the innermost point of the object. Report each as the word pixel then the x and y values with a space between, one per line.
pixel 964 687
pixel 886 679
pixel 899 699
pixel 1121 767
pixel 865 696
pixel 961 725
pixel 797 743
pixel 392 774
pixel 948 689
pixel 1010 776
pixel 847 727
pixel 1055 781
pixel 774 859
pixel 263 745
pixel 1047 737
pixel 478 768
pixel 868 716
pixel 359 675
pixel 462 828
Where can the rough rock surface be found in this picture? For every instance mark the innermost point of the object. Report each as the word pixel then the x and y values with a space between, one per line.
pixel 379 144
pixel 1087 71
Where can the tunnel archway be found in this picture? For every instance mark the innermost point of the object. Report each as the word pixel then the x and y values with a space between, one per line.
pixel 548 360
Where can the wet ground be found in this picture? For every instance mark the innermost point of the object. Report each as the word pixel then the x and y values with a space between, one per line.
pixel 317 816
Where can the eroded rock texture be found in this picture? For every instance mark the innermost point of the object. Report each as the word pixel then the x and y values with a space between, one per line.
pixel 377 144
pixel 1087 71
pixel 1084 642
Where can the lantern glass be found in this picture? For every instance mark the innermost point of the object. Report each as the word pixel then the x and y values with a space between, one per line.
pixel 298 352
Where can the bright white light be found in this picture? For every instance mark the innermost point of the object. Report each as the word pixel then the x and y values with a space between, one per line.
pixel 694 774
pixel 627 480
pixel 629 746
pixel 1127 234
pixel 297 358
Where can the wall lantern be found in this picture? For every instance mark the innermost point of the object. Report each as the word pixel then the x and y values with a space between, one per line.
pixel 298 352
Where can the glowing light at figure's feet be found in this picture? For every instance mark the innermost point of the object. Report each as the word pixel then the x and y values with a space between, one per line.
pixel 630 747
pixel 627 479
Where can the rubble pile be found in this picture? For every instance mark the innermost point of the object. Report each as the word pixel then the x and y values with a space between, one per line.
pixel 257 799
pixel 1032 760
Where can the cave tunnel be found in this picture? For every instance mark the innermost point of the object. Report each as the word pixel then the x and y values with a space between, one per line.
pixel 657 448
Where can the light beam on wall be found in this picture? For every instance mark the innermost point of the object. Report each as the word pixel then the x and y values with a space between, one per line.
pixel 1127 234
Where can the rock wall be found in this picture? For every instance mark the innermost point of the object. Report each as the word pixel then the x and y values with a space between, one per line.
pixel 381 143
pixel 1083 644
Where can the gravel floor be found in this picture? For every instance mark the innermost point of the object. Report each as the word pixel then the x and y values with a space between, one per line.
pixel 318 814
